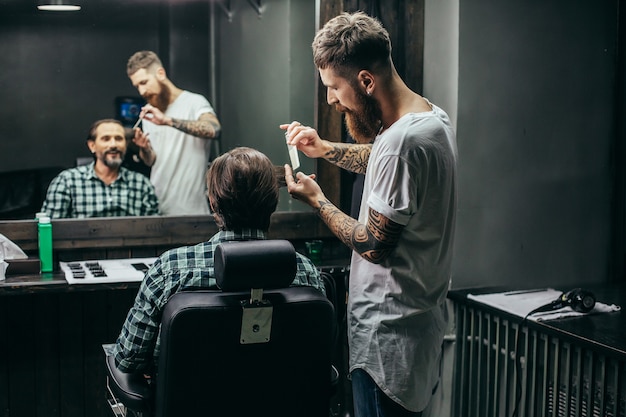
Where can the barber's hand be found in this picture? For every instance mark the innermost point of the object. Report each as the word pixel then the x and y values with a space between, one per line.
pixel 141 139
pixel 154 115
pixel 306 139
pixel 146 153
pixel 303 187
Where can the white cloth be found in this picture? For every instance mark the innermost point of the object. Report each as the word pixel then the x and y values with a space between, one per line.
pixel 397 312
pixel 568 312
pixel 178 174
pixel 8 250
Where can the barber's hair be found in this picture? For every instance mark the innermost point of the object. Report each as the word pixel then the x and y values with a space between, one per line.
pixel 242 189
pixel 352 42
pixel 147 60
pixel 91 135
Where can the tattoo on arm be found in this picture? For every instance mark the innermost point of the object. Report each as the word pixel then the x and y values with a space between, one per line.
pixel 147 155
pixel 374 241
pixel 349 156
pixel 206 128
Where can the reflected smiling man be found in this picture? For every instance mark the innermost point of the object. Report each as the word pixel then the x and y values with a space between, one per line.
pixel 102 188
pixel 177 126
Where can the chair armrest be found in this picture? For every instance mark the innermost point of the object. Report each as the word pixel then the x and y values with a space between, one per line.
pixel 131 389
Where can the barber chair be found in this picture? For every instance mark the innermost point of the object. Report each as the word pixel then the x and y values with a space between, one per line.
pixel 255 347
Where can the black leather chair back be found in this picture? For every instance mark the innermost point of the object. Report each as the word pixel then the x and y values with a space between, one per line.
pixel 215 359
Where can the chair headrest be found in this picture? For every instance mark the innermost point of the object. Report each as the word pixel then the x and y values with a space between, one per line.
pixel 243 265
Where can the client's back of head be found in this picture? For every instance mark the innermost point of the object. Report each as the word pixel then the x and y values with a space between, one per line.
pixel 242 189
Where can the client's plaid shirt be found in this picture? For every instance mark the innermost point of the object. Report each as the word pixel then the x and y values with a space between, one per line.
pixel 79 193
pixel 173 271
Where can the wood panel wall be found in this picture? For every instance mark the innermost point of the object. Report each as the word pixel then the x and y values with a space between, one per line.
pixel 51 344
pixel 124 237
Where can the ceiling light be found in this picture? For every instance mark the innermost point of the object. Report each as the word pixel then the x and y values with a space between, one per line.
pixel 58 6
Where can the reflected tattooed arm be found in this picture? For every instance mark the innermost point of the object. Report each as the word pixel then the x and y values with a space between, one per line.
pixel 207 126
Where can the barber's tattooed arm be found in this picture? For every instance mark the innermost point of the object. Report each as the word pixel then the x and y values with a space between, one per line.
pixel 147 155
pixel 207 126
pixel 374 241
pixel 349 156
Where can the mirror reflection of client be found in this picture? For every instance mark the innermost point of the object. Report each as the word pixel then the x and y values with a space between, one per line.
pixel 102 188
pixel 243 193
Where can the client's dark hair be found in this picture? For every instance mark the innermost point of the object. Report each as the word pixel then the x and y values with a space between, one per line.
pixel 242 189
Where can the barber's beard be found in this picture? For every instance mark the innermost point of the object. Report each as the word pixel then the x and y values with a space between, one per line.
pixel 363 124
pixel 161 100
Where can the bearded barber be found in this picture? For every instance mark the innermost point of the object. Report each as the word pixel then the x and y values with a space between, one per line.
pixel 402 242
pixel 174 142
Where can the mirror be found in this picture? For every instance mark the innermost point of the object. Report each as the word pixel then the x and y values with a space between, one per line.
pixel 62 71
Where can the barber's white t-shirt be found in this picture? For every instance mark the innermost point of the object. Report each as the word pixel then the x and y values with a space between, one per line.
pixel 396 309
pixel 178 174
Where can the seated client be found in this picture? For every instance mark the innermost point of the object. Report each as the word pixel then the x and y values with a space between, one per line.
pixel 243 194
pixel 102 188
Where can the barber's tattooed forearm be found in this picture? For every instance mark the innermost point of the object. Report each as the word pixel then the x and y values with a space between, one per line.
pixel 348 156
pixel 385 231
pixel 147 155
pixel 198 128
pixel 373 242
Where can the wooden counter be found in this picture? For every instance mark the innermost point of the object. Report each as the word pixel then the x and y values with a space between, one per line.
pixel 142 237
pixel 154 231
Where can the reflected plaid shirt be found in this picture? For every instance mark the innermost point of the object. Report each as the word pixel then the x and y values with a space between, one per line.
pixel 173 271
pixel 79 193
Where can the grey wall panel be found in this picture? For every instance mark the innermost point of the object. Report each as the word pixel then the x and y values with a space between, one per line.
pixel 535 130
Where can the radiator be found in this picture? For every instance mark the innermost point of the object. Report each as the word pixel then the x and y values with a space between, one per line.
pixel 503 369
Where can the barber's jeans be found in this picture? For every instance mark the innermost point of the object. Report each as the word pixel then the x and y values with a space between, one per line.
pixel 370 401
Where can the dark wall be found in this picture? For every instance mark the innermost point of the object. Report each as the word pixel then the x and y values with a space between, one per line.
pixel 536 127
pixel 61 72
pixel 265 73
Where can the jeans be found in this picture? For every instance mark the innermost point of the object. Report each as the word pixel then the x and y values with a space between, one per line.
pixel 370 401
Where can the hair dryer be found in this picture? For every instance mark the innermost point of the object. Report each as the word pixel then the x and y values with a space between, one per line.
pixel 578 299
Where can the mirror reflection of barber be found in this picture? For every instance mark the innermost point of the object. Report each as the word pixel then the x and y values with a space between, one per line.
pixel 174 138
